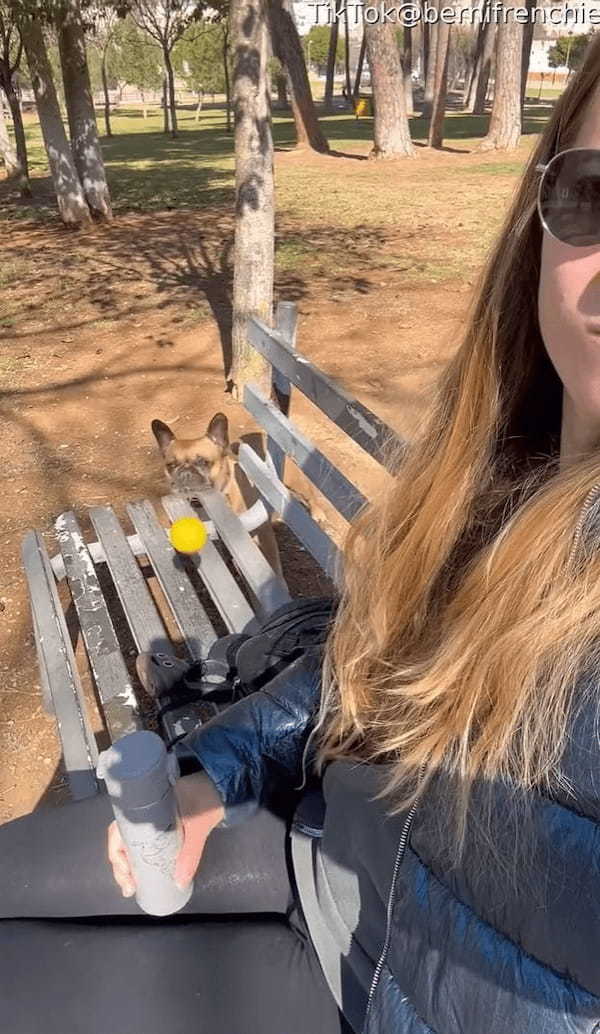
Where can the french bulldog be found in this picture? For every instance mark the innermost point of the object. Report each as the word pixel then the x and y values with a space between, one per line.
pixel 209 461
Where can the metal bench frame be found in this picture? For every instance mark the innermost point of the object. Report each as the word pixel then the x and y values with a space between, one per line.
pixel 117 553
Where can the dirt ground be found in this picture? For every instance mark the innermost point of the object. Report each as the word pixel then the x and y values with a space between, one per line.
pixel 104 331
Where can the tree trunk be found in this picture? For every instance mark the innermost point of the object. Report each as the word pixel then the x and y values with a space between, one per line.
pixel 106 95
pixel 505 124
pixel 359 66
pixel 474 60
pixel 227 83
pixel 199 105
pixel 331 53
pixel 391 135
pixel 429 73
pixel 144 105
pixel 407 62
pixel 436 126
pixel 8 154
pixel 171 90
pixel 483 65
pixel 426 46
pixel 347 56
pixel 166 114
pixel 80 110
pixel 469 74
pixel 71 202
pixel 288 49
pixel 282 95
pixel 20 142
pixel 254 245
pixel 527 41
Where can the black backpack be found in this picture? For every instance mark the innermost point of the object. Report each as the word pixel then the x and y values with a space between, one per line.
pixel 239 664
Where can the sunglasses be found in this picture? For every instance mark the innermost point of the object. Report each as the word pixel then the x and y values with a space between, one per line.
pixel 568 198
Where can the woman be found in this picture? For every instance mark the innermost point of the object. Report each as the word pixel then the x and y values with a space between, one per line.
pixel 451 882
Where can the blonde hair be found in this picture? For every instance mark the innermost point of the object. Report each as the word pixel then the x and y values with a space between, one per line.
pixel 465 618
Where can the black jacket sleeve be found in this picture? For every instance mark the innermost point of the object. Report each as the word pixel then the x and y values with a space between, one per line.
pixel 258 743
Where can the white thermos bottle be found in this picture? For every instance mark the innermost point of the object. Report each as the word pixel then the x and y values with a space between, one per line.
pixel 140 776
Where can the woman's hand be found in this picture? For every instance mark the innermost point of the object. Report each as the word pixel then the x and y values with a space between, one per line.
pixel 200 808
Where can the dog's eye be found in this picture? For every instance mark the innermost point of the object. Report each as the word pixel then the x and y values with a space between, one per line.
pixel 171 467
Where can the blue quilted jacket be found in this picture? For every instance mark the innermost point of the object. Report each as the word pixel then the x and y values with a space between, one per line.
pixel 506 943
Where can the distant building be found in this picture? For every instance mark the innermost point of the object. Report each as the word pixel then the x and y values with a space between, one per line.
pixel 309 13
pixel 305 15
pixel 567 19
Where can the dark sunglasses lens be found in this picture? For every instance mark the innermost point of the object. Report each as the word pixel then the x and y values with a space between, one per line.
pixel 570 197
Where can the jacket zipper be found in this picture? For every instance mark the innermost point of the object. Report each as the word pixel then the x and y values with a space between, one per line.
pixel 587 502
pixel 401 849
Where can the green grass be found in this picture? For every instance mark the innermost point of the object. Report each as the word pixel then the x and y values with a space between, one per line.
pixel 332 214
pixel 149 171
pixel 547 92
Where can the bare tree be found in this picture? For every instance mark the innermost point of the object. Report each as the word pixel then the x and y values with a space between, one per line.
pixel 407 63
pixel 281 87
pixel 287 48
pixel 482 62
pixel 430 43
pixel 425 48
pixel 332 53
pixel 11 49
pixel 85 143
pixel 167 123
pixel 8 154
pixel 506 122
pixel 436 125
pixel 527 41
pixel 485 69
pixel 226 46
pixel 104 23
pixel 391 132
pixel 165 21
pixel 347 54
pixel 254 191
pixel 359 66
pixel 69 192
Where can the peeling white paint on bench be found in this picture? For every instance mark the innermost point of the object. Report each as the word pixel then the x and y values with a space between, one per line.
pixel 102 647
pixel 61 685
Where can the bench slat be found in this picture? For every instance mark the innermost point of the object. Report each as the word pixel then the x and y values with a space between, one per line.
pixel 363 426
pixel 142 616
pixel 59 671
pixel 190 615
pixel 220 583
pixel 102 646
pixel 270 590
pixel 286 321
pixel 294 513
pixel 329 480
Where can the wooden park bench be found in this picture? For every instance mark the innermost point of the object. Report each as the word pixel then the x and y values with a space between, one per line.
pixel 107 578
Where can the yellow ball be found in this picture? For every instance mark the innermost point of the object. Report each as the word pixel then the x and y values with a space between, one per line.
pixel 188 535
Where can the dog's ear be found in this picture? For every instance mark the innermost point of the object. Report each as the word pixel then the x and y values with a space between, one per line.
pixel 218 430
pixel 163 434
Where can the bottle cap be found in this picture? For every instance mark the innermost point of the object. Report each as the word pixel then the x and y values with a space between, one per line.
pixel 136 769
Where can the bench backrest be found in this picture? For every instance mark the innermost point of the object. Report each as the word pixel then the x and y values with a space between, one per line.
pixel 292 369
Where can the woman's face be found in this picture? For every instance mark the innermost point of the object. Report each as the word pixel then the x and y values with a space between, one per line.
pixel 569 315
